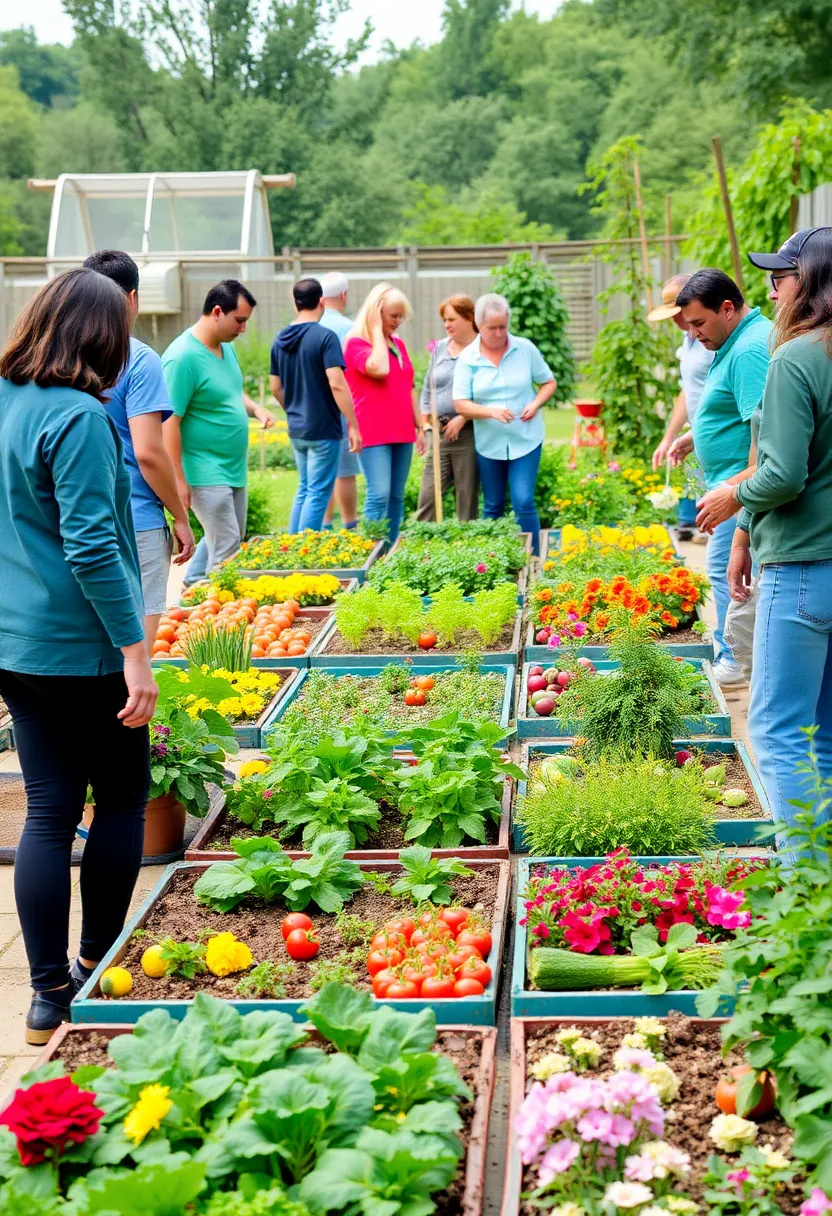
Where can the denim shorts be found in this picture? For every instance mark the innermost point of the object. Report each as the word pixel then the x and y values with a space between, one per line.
pixel 155 547
pixel 348 463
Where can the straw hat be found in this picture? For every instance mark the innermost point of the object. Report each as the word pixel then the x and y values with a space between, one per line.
pixel 668 307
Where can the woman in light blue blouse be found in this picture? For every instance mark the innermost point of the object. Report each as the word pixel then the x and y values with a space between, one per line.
pixel 501 381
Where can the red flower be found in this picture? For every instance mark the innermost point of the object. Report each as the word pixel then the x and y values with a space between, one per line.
pixel 49 1116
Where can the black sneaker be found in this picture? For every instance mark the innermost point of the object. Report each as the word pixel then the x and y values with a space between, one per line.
pixel 684 533
pixel 79 975
pixel 46 1013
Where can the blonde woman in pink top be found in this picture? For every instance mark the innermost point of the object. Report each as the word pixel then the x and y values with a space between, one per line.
pixel 380 376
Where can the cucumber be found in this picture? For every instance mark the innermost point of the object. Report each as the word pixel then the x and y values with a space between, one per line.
pixel 554 970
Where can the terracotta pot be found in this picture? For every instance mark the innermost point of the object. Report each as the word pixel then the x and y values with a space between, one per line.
pixel 164 826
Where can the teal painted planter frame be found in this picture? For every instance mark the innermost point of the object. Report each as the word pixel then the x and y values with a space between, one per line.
pixel 89 1005
pixel 507 670
pixel 359 573
pixel 616 1003
pixel 531 727
pixel 435 659
pixel 250 734
pixel 535 653
pixel 728 831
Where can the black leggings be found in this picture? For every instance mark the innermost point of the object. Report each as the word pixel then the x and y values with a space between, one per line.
pixel 68 736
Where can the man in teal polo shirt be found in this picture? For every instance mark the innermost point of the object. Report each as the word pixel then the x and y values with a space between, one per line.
pixel 716 313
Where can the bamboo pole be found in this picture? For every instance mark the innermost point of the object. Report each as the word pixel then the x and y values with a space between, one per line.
pixel 668 231
pixel 262 431
pixel 434 438
pixel 729 214
pixel 795 203
pixel 642 233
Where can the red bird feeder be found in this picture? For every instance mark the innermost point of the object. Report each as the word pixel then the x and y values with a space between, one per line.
pixel 588 434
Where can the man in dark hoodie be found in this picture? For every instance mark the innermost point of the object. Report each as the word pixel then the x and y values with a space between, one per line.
pixel 307 378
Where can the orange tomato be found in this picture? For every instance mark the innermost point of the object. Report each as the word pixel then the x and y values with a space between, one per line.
pixel 160 647
pixel 295 649
pixel 257 652
pixel 294 606
pixel 166 633
pixel 177 614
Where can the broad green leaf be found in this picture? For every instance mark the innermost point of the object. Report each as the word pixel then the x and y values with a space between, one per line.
pixel 341 1014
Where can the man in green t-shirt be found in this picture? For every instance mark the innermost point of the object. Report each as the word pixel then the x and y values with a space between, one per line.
pixel 207 434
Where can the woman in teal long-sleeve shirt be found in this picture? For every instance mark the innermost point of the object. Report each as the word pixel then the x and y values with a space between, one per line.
pixel 74 670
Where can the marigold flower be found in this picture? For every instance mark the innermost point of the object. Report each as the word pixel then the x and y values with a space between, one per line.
pixel 224 955
pixel 147 1115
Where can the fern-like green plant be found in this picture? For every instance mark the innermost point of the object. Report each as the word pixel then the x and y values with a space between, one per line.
pixel 649 807
pixel 492 610
pixel 637 709
pixel 401 612
pixel 356 614
pixel 449 613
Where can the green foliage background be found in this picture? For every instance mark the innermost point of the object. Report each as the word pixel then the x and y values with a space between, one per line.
pixel 539 313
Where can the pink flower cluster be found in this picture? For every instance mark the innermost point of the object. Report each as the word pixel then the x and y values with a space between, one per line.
pixel 591 1116
pixel 817 1203
pixel 594 910
pixel 567 631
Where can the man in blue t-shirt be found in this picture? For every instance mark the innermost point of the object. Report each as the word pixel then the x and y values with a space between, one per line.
pixel 138 405
pixel 335 287
pixel 307 378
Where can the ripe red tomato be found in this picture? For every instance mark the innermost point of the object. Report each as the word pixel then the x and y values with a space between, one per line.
pixel 432 949
pixel 404 925
pixel 454 918
pixel 377 960
pixel 387 937
pixel 438 986
pixel 460 955
pixel 414 696
pixel 432 919
pixel 402 990
pixel 475 969
pixel 427 640
pixel 302 944
pixel 417 971
pixel 424 682
pixel 468 988
pixel 295 920
pixel 477 937
pixel 382 980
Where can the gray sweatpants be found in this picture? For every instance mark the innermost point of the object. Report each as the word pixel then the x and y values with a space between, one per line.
pixel 222 512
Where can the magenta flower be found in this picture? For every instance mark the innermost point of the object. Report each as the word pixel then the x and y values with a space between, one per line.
pixel 579 629
pixel 268 793
pixel 817 1203
pixel 557 1160
pixel 738 1178
pixel 481 568
pixel 614 466
pixel 554 641
pixel 572 616
pixel 723 908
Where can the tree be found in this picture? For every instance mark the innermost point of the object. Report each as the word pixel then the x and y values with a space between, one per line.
pixel 19 127
pixel 539 313
pixel 47 73
pixel 11 228
pixel 488 218
pixel 80 140
pixel 468 64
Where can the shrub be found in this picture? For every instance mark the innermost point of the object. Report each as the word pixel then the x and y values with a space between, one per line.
pixel 539 314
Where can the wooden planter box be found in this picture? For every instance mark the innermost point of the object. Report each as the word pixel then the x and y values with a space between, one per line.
pixel 472 1198
pixel 521 1029
pixel 728 831
pixel 90 1006
pixel 704 649
pixel 507 670
pixel 530 726
pixel 425 658
pixel 322 614
pixel 198 850
pixel 601 1002
pixel 359 573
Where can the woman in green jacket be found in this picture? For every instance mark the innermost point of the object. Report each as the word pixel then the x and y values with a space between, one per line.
pixel 788 509
pixel 74 670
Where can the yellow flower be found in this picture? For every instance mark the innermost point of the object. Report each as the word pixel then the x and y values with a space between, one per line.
pixel 224 955
pixel 250 767
pixel 148 1113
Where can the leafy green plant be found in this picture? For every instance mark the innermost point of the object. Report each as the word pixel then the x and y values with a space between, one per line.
pixel 183 958
pixel 338 970
pixel 639 707
pixel 650 808
pixel 779 970
pixel 394 677
pixel 225 646
pixel 749 1186
pixel 354 931
pixel 265 872
pixel 492 610
pixel 427 879
pixel 251 1201
pixel 449 613
pixel 538 312
pixel 380 883
pixel 472 561
pixel 267 979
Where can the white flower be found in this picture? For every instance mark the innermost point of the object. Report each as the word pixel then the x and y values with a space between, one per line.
pixel 569 1034
pixel 773 1158
pixel 637 1040
pixel 653 1210
pixel 652 1027
pixel 730 1132
pixel 586 1050
pixel 627 1194
pixel 632 1059
pixel 663 1079
pixel 549 1066
pixel 678 1203
pixel 664 500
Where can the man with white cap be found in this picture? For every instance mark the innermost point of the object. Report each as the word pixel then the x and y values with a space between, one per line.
pixel 694 362
pixel 345 495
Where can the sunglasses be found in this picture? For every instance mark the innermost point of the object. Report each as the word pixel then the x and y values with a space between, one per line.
pixel 776 278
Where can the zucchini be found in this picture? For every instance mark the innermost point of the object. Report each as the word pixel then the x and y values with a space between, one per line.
pixel 553 970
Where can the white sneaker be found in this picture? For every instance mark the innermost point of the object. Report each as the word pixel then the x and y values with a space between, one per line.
pixel 729 674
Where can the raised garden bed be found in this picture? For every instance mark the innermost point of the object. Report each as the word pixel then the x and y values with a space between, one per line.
pixel 550 543
pixel 598 1002
pixel 211 841
pixel 471 1048
pixel 250 734
pixel 366 683
pixel 171 908
pixel 332 649
pixel 531 726
pixel 737 829
pixel 684 642
pixel 347 585
pixel 521 575
pixel 691 1047
pixel 359 573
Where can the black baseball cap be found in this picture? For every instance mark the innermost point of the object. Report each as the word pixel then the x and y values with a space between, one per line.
pixel 786 256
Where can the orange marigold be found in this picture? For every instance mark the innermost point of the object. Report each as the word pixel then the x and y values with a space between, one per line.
pixel 565 588
pixel 544 594
pixel 594 586
pixel 600 621
pixel 627 598
pixel 618 584
pixel 642 604
pixel 667 618
pixel 686 606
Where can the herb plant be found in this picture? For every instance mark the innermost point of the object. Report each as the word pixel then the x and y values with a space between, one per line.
pixel 338 970
pixel 650 808
pixel 183 958
pixel 265 872
pixel 225 645
pixel 398 613
pixel 267 979
pixel 427 879
pixel 354 931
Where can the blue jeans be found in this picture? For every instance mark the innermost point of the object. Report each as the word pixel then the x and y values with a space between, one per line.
pixel 317 461
pixel 385 467
pixel 716 562
pixel 686 516
pixel 518 476
pixel 792 682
